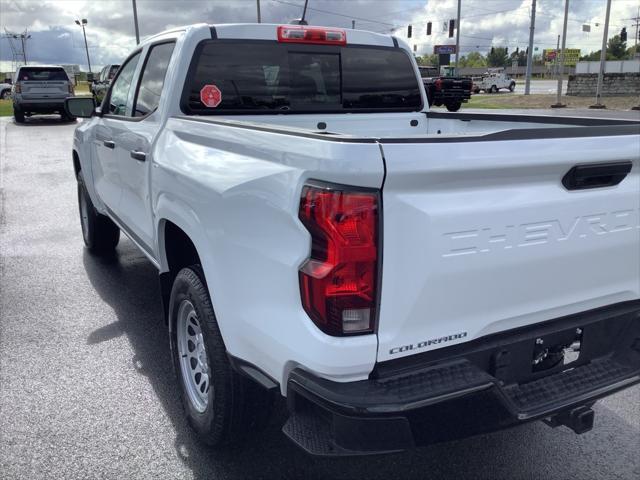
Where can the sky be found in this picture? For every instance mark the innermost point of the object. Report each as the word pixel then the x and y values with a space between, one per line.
pixel 55 38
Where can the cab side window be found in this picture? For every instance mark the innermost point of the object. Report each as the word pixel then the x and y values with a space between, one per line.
pixel 119 96
pixel 152 79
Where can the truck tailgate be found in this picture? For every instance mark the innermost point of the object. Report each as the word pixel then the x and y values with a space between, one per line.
pixel 482 236
pixel 45 89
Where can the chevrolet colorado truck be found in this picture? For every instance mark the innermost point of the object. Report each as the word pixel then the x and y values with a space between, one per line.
pixel 401 276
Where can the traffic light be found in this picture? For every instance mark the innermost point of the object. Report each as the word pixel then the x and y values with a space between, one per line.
pixel 623 34
pixel 409 29
pixel 428 28
pixel 452 26
pixel 493 50
pixel 506 50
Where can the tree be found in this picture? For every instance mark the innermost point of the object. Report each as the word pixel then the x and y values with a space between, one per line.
pixel 497 57
pixel 616 48
pixel 429 60
pixel 474 60
pixel 519 56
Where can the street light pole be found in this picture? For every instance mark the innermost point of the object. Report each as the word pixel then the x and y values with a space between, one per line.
pixel 603 57
pixel 458 34
pixel 135 22
pixel 84 33
pixel 558 103
pixel 258 7
pixel 527 82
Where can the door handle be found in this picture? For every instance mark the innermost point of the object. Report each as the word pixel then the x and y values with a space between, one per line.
pixel 138 155
pixel 596 175
pixel 109 143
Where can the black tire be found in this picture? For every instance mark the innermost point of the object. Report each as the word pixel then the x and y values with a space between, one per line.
pixel 18 115
pixel 235 405
pixel 100 234
pixel 5 95
pixel 454 106
pixel 493 89
pixel 512 86
pixel 65 117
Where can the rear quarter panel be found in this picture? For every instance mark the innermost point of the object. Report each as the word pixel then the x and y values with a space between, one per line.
pixel 238 191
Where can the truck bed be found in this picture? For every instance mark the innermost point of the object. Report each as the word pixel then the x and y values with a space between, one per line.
pixel 431 126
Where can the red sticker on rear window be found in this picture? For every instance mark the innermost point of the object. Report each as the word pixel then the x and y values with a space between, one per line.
pixel 210 96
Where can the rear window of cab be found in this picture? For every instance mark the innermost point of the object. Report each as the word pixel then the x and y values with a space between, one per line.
pixel 229 77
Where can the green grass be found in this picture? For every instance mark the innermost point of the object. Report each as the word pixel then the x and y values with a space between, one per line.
pixel 486 101
pixel 6 109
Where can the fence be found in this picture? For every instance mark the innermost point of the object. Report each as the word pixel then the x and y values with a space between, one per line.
pixel 611 66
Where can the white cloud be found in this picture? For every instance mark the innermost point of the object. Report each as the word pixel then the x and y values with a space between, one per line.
pixel 110 33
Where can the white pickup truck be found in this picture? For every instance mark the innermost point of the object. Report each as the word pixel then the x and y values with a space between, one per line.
pixel 400 276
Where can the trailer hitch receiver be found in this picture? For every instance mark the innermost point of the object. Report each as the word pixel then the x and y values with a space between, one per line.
pixel 579 419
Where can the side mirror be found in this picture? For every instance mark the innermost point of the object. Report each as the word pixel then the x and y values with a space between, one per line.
pixel 82 107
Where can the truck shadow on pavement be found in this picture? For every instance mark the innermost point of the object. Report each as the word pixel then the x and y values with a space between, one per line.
pixel 128 283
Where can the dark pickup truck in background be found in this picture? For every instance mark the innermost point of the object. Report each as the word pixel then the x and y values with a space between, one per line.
pixel 445 88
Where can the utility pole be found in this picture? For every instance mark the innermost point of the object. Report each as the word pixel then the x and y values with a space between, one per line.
pixel 353 24
pixel 637 24
pixel 527 82
pixel 24 50
pixel 135 22
pixel 258 6
pixel 603 57
pixel 458 33
pixel 558 103
pixel 557 59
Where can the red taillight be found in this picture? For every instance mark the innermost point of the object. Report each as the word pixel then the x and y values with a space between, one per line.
pixel 438 83
pixel 339 282
pixel 302 34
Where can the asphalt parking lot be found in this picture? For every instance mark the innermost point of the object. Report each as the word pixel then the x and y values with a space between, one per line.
pixel 87 389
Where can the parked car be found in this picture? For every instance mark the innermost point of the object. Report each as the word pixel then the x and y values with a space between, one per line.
pixel 445 87
pixel 41 89
pixel 401 276
pixel 99 85
pixel 5 91
pixel 494 81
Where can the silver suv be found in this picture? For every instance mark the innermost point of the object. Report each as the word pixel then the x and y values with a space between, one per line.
pixel 41 89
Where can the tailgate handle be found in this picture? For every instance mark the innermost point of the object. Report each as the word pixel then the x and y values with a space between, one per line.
pixel 596 175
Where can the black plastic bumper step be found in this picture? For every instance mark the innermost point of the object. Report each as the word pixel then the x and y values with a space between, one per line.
pixel 533 398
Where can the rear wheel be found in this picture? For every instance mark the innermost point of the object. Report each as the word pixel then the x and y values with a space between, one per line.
pixel 99 233
pixel 6 94
pixel 65 117
pixel 493 89
pixel 221 405
pixel 512 86
pixel 18 114
pixel 454 106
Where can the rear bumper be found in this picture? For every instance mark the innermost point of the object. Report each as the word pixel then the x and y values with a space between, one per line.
pixel 476 387
pixel 41 105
